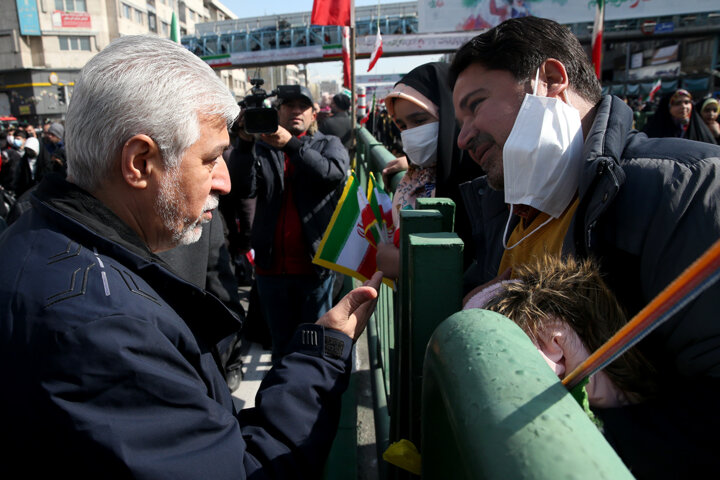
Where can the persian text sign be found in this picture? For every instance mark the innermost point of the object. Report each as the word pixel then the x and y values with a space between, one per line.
pixel 28 17
pixel 71 19
pixel 454 15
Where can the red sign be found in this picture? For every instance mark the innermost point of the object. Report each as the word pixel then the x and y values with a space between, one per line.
pixel 71 19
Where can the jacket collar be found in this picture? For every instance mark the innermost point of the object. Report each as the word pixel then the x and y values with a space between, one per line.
pixel 607 137
pixel 87 210
pixel 83 216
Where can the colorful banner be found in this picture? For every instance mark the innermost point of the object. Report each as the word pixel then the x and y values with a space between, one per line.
pixel 454 15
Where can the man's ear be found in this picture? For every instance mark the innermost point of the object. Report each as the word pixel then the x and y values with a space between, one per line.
pixel 555 79
pixel 139 160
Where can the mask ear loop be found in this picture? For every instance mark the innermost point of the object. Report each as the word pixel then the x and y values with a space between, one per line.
pixel 537 78
pixel 507 224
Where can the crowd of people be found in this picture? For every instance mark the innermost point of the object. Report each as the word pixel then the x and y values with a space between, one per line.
pixel 121 322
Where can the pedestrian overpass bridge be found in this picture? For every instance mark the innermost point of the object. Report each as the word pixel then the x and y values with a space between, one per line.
pixel 283 39
pixel 289 38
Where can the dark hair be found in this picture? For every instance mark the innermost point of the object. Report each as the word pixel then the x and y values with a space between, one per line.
pixel 521 45
pixel 575 293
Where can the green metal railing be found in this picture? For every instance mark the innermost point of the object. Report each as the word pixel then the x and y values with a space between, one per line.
pixel 493 409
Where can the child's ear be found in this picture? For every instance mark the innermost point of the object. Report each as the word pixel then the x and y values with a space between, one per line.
pixel 550 345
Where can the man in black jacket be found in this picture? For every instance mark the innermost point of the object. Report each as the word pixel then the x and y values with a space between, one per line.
pixel 339 123
pixel 297 179
pixel 644 208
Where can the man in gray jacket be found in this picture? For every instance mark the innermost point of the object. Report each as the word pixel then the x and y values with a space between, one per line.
pixel 645 208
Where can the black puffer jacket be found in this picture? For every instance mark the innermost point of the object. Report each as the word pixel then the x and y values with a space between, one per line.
pixel 321 168
pixel 648 208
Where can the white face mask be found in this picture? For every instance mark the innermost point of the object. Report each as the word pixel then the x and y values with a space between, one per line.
pixel 420 144
pixel 541 157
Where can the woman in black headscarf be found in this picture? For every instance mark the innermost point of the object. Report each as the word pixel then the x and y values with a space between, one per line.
pixel 421 107
pixel 676 117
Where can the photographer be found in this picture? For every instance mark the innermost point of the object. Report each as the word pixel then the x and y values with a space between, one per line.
pixel 297 178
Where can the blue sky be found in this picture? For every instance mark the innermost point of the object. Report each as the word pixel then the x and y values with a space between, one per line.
pixel 327 70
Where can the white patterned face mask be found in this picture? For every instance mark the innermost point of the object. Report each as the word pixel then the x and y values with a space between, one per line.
pixel 420 144
pixel 541 157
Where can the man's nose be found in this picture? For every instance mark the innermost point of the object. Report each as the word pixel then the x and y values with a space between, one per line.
pixel 221 178
pixel 464 140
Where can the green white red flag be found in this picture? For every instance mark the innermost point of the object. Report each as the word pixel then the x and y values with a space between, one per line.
pixel 381 205
pixel 377 51
pixel 598 27
pixel 654 90
pixel 349 243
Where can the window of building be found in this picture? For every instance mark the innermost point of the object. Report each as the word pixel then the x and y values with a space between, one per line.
pixel 127 11
pixel 74 43
pixel 71 5
pixel 139 17
pixel 191 14
pixel 152 22
pixel 165 28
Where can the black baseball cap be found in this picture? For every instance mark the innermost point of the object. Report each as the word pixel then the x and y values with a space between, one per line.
pixel 292 92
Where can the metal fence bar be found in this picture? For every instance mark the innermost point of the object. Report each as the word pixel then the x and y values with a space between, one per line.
pixel 435 268
pixel 411 222
pixel 491 408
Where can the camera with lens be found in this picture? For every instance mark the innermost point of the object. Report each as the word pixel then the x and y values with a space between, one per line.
pixel 258 118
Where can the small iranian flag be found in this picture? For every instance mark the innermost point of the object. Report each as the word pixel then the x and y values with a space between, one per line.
pixel 381 205
pixel 344 247
pixel 598 28
pixel 654 90
pixel 377 51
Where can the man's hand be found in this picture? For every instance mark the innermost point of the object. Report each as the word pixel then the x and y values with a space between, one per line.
pixel 278 139
pixel 400 164
pixel 238 128
pixel 351 314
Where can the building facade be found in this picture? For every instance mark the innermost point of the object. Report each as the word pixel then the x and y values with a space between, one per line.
pixel 45 43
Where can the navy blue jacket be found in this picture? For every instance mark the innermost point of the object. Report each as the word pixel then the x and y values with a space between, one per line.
pixel 110 369
pixel 648 208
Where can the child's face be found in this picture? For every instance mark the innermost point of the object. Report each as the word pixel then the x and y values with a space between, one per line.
pixel 710 113
pixel 563 350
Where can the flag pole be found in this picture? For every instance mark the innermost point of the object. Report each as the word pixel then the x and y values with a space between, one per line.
pixel 353 95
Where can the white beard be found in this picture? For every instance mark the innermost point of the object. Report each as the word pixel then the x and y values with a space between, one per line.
pixel 184 230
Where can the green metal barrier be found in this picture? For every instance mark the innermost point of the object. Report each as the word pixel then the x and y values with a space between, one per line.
pixel 372 156
pixel 493 409
pixel 435 293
